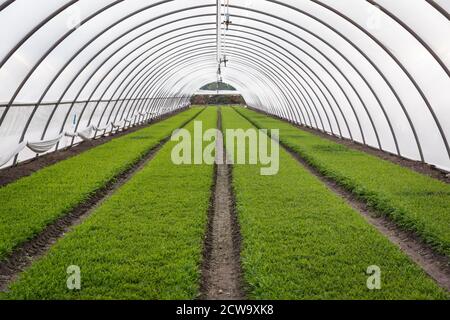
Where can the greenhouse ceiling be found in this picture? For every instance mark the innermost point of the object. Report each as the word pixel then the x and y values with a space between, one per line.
pixel 372 71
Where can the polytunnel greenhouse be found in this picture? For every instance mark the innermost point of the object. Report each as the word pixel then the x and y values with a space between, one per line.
pixel 224 150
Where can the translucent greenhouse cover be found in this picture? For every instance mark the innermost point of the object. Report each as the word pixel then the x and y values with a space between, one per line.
pixel 373 71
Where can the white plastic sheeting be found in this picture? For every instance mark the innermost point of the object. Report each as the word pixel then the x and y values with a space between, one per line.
pixel 366 70
pixel 86 134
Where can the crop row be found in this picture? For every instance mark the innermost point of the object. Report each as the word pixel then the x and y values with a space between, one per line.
pixel 144 242
pixel 301 241
pixel 31 203
pixel 416 202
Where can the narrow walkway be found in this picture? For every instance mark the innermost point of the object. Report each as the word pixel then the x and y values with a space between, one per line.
pixel 222 274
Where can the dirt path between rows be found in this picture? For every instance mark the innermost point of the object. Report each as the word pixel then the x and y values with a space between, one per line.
pixel 221 271
pixel 436 265
pixel 23 256
pixel 27 168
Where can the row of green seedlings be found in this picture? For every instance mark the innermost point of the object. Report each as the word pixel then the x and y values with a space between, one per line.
pixel 144 242
pixel 301 241
pixel 414 201
pixel 31 203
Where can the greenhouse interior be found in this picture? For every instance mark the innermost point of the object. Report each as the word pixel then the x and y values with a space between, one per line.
pixel 224 150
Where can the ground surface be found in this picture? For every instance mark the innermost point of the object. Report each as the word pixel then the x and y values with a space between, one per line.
pixel 222 278
pixel 141 227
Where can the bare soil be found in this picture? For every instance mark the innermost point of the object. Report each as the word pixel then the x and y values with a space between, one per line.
pixel 221 270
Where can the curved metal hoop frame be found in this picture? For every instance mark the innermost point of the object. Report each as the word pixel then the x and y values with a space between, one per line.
pixel 155 66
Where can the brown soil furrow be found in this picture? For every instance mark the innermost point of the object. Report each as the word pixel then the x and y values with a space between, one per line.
pixel 221 271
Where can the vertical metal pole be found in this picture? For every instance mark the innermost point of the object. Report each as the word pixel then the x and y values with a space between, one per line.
pixel 218 22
